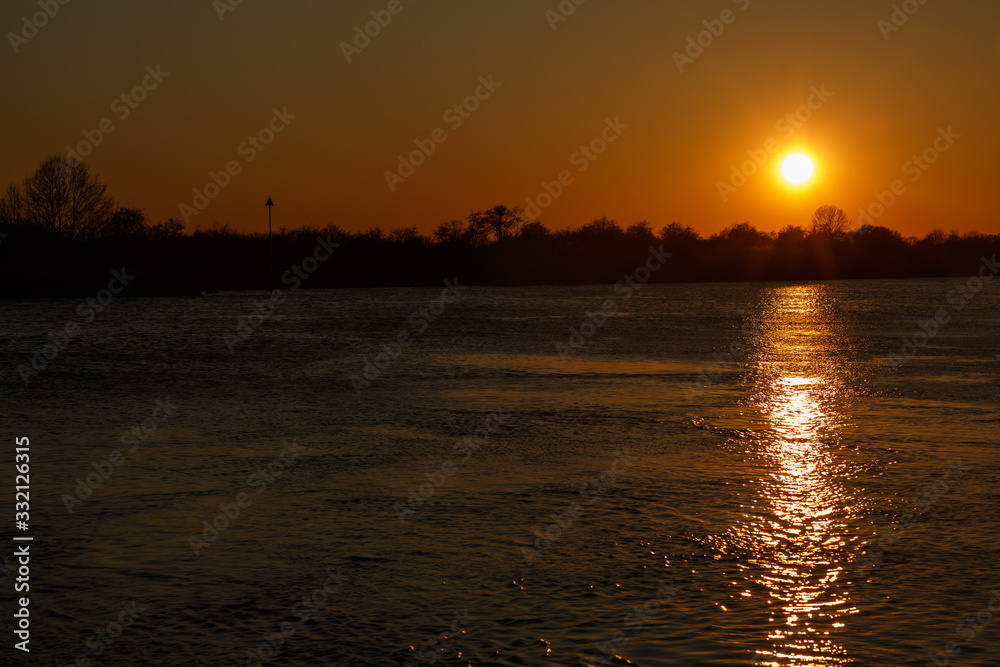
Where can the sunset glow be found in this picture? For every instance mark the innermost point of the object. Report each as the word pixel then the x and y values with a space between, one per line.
pixel 387 127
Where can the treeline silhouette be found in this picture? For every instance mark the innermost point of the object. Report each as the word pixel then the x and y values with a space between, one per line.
pixel 64 234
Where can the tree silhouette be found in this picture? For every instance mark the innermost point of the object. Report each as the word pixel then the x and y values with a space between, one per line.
pixel 534 231
pixel 791 235
pixel 936 237
pixel 45 194
pixel 12 205
pixel 830 221
pixel 678 234
pixel 604 229
pixel 125 223
pixel 743 236
pixel 405 235
pixel 450 233
pixel 373 234
pixel 641 232
pixel 471 234
pixel 502 221
pixel 171 228
pixel 67 198
pixel 89 206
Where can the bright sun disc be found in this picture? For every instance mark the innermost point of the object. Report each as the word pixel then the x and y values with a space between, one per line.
pixel 797 169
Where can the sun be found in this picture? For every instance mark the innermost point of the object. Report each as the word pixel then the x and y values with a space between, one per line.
pixel 797 169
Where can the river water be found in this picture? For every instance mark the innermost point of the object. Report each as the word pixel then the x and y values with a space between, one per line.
pixel 635 500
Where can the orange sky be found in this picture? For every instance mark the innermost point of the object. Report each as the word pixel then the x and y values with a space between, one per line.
pixel 888 99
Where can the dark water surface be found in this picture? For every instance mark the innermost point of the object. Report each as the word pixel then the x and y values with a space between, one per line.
pixel 729 535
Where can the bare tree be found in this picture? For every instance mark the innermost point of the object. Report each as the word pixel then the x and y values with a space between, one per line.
pixel 641 232
pixel 334 231
pixel 450 233
pixel 45 194
pixel 472 234
pixel 89 206
pixel 830 221
pixel 125 223
pixel 477 231
pixel 603 227
pixel 502 221
pixel 166 229
pixel 534 230
pixel 677 233
pixel 405 235
pixel 791 234
pixel 372 234
pixel 743 236
pixel 67 198
pixel 12 205
pixel 936 237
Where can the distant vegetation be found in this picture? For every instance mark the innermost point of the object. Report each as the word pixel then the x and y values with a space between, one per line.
pixel 64 234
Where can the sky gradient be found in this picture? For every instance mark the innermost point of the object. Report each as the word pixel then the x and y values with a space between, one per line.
pixel 884 97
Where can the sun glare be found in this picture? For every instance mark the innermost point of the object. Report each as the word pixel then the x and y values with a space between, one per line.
pixel 797 169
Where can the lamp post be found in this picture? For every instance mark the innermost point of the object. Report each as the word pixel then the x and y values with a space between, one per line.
pixel 270 246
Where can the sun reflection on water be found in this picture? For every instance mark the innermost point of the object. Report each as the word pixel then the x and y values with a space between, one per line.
pixel 797 541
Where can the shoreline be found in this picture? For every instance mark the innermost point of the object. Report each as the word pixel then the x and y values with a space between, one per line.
pixel 153 287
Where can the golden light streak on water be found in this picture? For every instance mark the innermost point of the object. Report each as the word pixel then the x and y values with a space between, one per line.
pixel 799 546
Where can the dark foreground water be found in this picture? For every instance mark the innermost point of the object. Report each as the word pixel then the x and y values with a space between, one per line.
pixel 728 527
